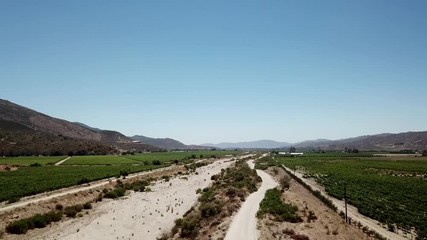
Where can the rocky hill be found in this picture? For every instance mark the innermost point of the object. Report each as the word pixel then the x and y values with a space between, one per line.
pixel 23 130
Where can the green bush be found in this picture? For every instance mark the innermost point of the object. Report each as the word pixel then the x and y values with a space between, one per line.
pixel 273 204
pixel 210 209
pixel 190 227
pixel 116 193
pixel 18 227
pixel 54 216
pixel 87 205
pixel 83 181
pixel 36 221
pixel 156 162
pixel 59 207
pixel 13 199
pixel 72 211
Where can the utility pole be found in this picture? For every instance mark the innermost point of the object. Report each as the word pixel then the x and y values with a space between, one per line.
pixel 345 201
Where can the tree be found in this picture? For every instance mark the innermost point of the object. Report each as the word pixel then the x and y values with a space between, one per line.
pixel 292 149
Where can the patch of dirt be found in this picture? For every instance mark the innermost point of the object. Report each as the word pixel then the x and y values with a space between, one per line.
pixel 328 225
pixel 4 168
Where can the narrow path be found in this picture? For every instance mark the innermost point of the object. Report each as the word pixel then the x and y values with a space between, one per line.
pixel 62 161
pixel 244 223
pixel 351 210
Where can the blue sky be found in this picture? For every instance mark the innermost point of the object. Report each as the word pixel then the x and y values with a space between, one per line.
pixel 213 71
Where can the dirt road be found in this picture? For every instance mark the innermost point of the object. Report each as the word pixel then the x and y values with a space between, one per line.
pixel 244 223
pixel 62 161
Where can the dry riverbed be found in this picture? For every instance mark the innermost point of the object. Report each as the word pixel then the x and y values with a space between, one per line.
pixel 140 215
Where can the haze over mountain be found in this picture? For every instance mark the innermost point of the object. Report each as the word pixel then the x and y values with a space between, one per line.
pixel 251 144
pixel 167 143
pixel 384 141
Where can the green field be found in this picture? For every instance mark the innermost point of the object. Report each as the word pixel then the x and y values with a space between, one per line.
pixel 32 180
pixel 27 161
pixel 391 190
pixel 27 180
pixel 167 156
pixel 100 160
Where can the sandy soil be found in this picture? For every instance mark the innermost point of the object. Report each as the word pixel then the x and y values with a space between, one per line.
pixel 243 225
pixel 353 212
pixel 140 215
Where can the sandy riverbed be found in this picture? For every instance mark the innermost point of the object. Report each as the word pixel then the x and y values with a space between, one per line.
pixel 140 215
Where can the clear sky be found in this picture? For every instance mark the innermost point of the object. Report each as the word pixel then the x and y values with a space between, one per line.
pixel 213 71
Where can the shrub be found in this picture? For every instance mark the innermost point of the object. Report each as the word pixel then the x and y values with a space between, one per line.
pixel 59 207
pixel 156 162
pixel 231 191
pixel 54 216
pixel 166 178
pixel 36 221
pixel 190 227
pixel 87 205
pixel 300 237
pixel 124 173
pixel 273 204
pixel 13 199
pixel 210 209
pixel 18 227
pixel 311 216
pixel 39 221
pixel 72 211
pixel 284 182
pixel 116 193
pixel 83 181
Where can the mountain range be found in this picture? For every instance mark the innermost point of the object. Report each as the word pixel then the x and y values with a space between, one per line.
pixel 24 131
pixel 253 144
pixel 383 142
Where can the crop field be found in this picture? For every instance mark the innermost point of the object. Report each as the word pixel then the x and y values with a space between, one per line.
pixel 32 180
pixel 100 160
pixel 390 190
pixel 27 161
pixel 29 179
pixel 168 156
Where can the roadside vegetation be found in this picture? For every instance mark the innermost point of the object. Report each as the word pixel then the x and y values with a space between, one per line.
pixel 273 204
pixel 221 200
pixel 378 187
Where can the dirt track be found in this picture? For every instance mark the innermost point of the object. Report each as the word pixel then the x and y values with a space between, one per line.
pixel 243 225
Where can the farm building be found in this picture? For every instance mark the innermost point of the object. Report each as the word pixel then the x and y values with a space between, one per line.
pixel 291 154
